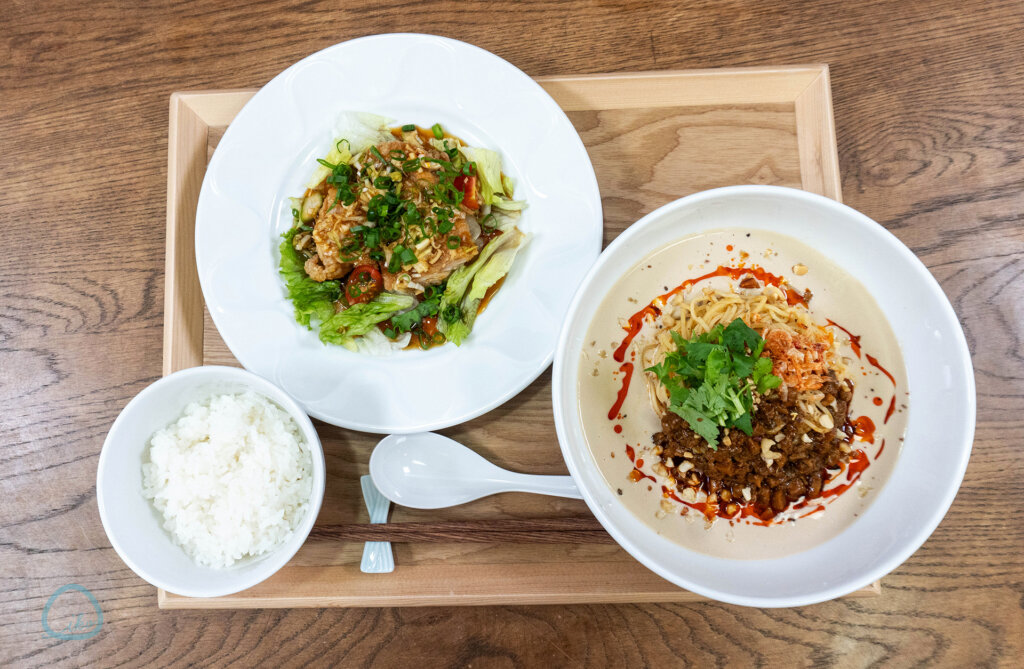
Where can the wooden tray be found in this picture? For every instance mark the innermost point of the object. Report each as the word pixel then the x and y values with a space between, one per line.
pixel 652 137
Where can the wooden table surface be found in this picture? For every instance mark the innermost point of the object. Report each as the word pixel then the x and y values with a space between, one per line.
pixel 928 105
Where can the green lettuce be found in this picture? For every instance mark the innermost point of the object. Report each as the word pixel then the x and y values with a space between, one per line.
pixel 359 319
pixel 459 282
pixel 489 274
pixel 313 301
pixel 488 168
pixel 500 202
pixel 355 132
pixel 495 187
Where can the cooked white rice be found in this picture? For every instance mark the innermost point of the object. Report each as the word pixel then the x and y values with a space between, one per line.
pixel 232 478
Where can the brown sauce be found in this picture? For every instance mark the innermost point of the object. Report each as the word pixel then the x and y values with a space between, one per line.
pixel 489 294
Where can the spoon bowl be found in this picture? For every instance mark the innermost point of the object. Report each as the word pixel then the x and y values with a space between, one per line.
pixel 431 471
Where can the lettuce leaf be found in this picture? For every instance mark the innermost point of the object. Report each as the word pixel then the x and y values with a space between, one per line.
pixel 313 301
pixel 359 319
pixel 495 268
pixel 508 184
pixel 354 132
pixel 362 130
pixel 488 168
pixel 376 344
pixel 459 282
pixel 495 187
pixel 500 202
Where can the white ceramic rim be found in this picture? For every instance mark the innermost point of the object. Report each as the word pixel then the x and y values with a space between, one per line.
pixel 495 336
pixel 280 556
pixel 920 533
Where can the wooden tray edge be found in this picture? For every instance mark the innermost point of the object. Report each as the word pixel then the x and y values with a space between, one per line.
pixel 469 585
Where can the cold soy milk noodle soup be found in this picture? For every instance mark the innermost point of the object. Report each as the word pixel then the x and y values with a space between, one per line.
pixel 742 395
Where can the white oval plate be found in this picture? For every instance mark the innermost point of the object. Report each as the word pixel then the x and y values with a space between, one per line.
pixel 267 155
pixel 940 427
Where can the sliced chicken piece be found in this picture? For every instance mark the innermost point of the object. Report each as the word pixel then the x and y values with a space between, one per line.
pixel 442 264
pixel 400 282
pixel 435 262
pixel 331 233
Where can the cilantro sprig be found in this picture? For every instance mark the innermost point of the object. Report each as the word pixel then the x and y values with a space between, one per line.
pixel 711 378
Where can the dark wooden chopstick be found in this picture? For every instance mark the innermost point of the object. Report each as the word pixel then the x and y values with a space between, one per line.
pixel 532 530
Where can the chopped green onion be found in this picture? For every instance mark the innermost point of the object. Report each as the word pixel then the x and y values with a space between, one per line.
pixel 401 256
pixel 376 152
pixel 452 313
pixel 454 242
pixel 436 128
pixel 409 127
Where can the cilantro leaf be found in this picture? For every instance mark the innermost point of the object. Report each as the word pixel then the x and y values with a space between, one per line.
pixel 698 422
pixel 744 366
pixel 739 336
pixel 743 423
pixel 717 363
pixel 710 379
pixel 697 352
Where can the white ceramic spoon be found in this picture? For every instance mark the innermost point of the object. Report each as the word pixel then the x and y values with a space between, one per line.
pixel 429 471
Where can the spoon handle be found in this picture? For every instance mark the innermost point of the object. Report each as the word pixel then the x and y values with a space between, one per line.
pixel 556 486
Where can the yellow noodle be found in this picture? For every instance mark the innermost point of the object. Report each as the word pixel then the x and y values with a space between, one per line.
pixel 762 310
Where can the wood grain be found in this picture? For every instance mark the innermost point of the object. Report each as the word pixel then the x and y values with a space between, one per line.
pixel 927 99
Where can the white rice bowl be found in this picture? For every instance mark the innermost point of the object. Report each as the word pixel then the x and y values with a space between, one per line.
pixel 232 478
